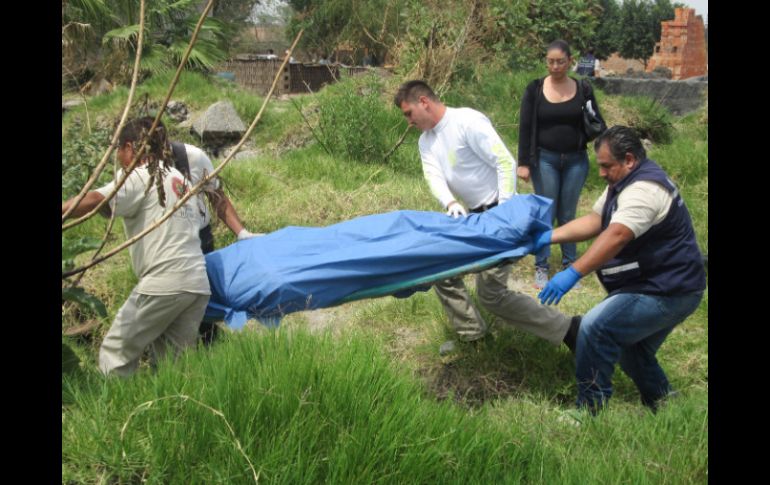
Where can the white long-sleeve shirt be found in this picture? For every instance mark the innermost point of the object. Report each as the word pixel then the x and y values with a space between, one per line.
pixel 463 157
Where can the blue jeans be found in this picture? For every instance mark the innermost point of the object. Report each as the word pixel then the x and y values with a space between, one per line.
pixel 560 177
pixel 627 328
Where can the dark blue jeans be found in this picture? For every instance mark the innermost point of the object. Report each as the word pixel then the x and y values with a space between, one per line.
pixel 207 330
pixel 627 328
pixel 560 177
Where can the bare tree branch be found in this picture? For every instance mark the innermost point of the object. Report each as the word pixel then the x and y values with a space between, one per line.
pixel 197 187
pixel 140 152
pixel 114 140
pixel 366 31
pixel 400 141
pixel 312 130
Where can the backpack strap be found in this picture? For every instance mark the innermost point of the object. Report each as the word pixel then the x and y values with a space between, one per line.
pixel 180 158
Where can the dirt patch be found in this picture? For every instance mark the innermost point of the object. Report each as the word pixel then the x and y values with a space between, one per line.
pixel 471 384
pixel 404 341
pixel 472 389
pixel 335 319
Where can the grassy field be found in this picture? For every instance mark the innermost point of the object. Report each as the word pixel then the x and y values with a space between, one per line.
pixel 358 393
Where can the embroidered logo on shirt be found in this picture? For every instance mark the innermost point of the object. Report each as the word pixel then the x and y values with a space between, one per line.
pixel 179 187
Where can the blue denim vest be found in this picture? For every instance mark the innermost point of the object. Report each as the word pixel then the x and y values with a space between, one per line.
pixel 666 259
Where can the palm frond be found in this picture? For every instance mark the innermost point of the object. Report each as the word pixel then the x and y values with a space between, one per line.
pixel 87 10
pixel 121 36
pixel 205 54
pixel 93 12
pixel 173 7
pixel 157 59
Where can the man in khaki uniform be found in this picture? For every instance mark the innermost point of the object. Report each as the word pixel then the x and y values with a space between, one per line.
pixel 168 303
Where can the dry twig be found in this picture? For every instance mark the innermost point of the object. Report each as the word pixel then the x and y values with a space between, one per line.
pixel 140 151
pixel 197 187
pixel 114 141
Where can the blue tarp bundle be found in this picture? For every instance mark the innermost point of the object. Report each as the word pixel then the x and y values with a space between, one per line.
pixel 397 253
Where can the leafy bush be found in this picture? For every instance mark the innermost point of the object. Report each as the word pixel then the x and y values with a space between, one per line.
pixel 76 294
pixel 82 302
pixel 356 120
pixel 80 154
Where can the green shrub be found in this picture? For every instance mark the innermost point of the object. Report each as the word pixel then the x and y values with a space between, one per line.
pixel 651 119
pixel 81 152
pixel 358 121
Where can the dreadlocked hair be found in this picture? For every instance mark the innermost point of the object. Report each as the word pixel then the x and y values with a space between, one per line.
pixel 157 150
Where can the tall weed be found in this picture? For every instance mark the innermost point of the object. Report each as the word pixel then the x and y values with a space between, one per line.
pixel 357 121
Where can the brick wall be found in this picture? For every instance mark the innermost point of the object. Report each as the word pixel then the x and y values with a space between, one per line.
pixel 312 76
pixel 258 74
pixel 682 46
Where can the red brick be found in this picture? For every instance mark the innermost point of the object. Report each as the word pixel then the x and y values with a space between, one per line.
pixel 686 58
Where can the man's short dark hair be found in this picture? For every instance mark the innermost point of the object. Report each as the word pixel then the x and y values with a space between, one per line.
pixel 621 140
pixel 411 91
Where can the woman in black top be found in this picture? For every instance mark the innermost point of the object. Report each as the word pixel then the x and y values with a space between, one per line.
pixel 552 145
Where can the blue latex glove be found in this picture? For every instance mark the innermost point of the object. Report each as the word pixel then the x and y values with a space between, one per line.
pixel 542 240
pixel 558 286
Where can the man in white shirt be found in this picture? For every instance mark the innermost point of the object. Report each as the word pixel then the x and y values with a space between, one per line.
pixel 463 158
pixel 165 308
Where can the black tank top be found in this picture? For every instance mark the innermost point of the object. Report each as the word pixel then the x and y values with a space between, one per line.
pixel 558 124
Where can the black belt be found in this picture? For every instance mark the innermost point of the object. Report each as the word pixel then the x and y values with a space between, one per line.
pixel 483 208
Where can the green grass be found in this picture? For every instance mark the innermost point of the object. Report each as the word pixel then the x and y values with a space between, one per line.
pixel 198 92
pixel 358 393
pixel 316 409
pixel 308 409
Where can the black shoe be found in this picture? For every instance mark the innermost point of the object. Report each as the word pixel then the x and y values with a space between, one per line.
pixel 208 332
pixel 570 339
pixel 655 404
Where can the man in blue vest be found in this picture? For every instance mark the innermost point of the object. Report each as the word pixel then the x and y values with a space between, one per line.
pixel 586 65
pixel 646 257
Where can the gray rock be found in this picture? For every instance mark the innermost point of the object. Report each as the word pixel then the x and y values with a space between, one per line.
pixel 191 118
pixel 246 151
pixel 243 154
pixel 219 124
pixel 70 103
pixel 177 111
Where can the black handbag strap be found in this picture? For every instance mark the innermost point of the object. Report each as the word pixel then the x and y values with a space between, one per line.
pixel 586 90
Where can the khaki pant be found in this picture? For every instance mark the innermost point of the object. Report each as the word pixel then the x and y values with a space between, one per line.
pixel 158 321
pixel 513 308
